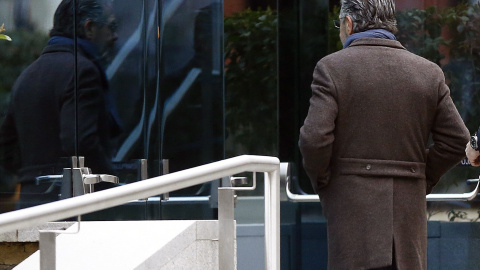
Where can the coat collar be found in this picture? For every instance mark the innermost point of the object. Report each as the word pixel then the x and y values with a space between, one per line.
pixel 377 42
pixel 70 49
pixel 64 48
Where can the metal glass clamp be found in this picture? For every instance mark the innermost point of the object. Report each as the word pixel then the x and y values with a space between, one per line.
pixel 76 180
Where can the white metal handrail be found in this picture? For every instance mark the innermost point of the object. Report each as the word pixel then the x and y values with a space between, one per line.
pixel 288 195
pixel 430 197
pixel 100 200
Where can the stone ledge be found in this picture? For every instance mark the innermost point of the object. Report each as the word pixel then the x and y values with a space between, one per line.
pixel 12 254
pixel 32 234
pixel 18 245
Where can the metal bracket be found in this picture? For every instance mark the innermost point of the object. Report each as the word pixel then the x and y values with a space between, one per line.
pixel 77 179
pixel 165 170
pixel 236 181
pixel 143 174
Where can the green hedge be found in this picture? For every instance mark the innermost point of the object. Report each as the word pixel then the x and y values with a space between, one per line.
pixel 251 82
pixel 421 32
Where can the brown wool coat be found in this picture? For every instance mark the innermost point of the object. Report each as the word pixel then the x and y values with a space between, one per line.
pixel 373 107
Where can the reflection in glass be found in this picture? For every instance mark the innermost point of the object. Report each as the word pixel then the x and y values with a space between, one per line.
pixel 165 91
pixel 448 36
pixel 251 82
pixel 59 105
pixel 168 80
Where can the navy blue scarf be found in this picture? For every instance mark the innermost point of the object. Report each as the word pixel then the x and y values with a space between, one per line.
pixel 87 46
pixel 372 33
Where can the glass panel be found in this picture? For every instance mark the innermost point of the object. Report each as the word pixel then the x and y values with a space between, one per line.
pixel 305 36
pixel 251 105
pixel 155 94
pixel 168 86
pixel 448 36
pixel 132 74
pixel 251 87
pixel 190 114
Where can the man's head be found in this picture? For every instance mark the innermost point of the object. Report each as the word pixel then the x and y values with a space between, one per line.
pixel 95 22
pixel 361 15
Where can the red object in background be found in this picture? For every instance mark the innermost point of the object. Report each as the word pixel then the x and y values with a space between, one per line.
pixel 233 6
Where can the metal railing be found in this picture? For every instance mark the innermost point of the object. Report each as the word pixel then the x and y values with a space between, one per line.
pixel 288 195
pixel 104 199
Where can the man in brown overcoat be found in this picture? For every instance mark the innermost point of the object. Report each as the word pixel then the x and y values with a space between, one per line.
pixel 364 142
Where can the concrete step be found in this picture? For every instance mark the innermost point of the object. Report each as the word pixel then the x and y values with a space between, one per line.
pixel 135 245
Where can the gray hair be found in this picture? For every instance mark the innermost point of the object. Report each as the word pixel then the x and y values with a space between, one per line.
pixel 86 10
pixel 370 14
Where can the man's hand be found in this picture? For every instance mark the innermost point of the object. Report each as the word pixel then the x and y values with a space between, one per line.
pixel 472 155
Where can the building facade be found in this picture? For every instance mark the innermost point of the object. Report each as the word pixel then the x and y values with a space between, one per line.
pixel 197 81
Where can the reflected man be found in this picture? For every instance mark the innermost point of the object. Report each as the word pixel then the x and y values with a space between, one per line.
pixel 60 105
pixel 364 141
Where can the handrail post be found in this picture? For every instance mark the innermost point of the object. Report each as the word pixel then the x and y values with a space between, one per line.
pixel 226 229
pixel 48 250
pixel 272 220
